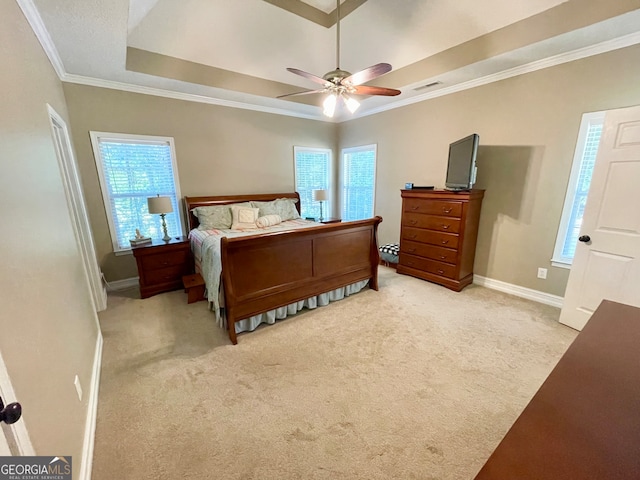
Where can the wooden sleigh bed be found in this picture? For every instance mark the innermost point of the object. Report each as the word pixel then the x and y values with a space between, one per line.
pixel 266 271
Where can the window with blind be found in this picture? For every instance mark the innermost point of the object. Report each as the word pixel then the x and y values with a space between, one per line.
pixel 313 172
pixel 133 168
pixel 358 182
pixel 578 188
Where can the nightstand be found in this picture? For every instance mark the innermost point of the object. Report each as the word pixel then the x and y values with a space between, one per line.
pixel 331 220
pixel 161 265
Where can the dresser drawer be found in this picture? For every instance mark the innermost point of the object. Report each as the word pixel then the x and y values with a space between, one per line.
pixel 164 275
pixel 434 207
pixel 427 265
pixel 432 222
pixel 440 254
pixel 449 240
pixel 166 259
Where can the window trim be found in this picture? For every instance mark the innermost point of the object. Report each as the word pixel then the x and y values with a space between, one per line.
pixel 359 148
pixel 588 119
pixel 96 137
pixel 328 204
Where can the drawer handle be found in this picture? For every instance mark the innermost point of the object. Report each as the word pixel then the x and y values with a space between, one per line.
pixel 411 250
pixel 413 236
pixel 415 207
pixel 444 242
pixel 440 272
pixel 446 227
pixel 409 263
pixel 442 257
pixel 413 222
pixel 447 210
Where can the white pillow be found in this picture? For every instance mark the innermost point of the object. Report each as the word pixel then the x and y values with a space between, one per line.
pixel 243 217
pixel 268 221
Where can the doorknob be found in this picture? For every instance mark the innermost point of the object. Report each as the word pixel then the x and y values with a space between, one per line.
pixel 11 413
pixel 584 238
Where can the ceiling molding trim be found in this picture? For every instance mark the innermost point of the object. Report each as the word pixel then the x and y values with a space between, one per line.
pixel 42 34
pixel 189 97
pixel 603 47
pixel 315 15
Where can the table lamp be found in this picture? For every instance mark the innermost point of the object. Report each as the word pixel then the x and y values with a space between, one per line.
pixel 161 205
pixel 320 196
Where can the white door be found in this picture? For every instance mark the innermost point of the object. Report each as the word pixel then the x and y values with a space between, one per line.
pixel 607 259
pixel 77 209
pixel 14 438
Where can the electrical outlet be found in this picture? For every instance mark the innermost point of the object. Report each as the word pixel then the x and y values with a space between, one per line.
pixel 542 273
pixel 76 382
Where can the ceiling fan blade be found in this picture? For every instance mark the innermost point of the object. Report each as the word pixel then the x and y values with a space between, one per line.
pixel 306 92
pixel 366 90
pixel 310 76
pixel 367 74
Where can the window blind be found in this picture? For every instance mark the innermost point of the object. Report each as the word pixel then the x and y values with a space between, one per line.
pixel 312 172
pixel 134 170
pixel 582 189
pixel 358 182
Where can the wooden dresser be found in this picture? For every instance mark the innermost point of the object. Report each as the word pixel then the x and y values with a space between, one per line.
pixel 161 265
pixel 438 235
pixel 584 421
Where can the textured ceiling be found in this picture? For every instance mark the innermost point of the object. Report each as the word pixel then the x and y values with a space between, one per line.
pixel 236 52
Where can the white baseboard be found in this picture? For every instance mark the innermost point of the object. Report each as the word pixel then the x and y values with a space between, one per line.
pixel 123 284
pixel 92 411
pixel 518 291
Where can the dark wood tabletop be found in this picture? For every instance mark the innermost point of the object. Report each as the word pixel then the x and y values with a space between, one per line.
pixel 584 421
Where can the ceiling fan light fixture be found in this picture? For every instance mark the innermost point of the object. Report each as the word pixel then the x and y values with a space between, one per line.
pixel 329 105
pixel 351 103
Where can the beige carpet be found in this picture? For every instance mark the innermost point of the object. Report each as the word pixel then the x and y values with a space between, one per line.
pixel 411 382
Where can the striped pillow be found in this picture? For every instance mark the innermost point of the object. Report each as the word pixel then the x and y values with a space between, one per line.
pixel 268 221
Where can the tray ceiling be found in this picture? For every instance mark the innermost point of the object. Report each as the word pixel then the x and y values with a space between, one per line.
pixel 235 52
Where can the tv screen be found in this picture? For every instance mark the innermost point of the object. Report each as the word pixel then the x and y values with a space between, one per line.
pixel 461 168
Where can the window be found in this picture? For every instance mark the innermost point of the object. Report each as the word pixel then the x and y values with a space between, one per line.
pixel 131 169
pixel 584 160
pixel 312 172
pixel 358 182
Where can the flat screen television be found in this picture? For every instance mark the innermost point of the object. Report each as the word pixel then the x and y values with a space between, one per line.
pixel 461 168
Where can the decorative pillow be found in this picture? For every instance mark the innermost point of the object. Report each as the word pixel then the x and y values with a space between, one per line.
pixel 216 216
pixel 268 221
pixel 243 217
pixel 285 207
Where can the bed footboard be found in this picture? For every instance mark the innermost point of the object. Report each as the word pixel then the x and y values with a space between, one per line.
pixel 264 272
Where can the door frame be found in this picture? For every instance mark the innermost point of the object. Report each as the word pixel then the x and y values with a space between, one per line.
pixel 77 208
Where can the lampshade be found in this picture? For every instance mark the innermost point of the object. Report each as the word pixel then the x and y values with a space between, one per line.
pixel 319 195
pixel 159 204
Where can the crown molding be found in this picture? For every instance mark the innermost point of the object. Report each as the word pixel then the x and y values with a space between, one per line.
pixel 602 47
pixel 37 25
pixel 189 97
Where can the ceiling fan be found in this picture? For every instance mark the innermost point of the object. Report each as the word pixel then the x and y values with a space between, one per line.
pixel 340 84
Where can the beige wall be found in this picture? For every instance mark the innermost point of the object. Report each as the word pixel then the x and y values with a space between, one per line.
pixel 219 150
pixel 50 327
pixel 528 127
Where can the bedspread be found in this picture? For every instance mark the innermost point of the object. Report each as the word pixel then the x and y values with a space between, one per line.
pixel 205 245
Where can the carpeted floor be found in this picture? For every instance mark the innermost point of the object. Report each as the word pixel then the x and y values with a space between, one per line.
pixel 411 382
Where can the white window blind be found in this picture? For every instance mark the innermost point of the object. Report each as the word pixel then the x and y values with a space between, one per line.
pixel 358 182
pixel 312 172
pixel 578 188
pixel 133 168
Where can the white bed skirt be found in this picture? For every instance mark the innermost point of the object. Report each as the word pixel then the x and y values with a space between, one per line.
pixel 270 317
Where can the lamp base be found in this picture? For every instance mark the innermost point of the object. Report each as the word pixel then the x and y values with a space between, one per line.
pixel 166 237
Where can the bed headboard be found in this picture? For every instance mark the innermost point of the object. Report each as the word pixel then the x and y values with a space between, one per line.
pixel 191 202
